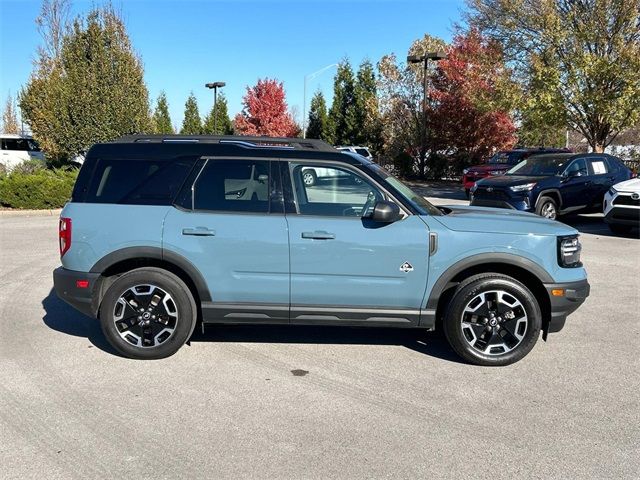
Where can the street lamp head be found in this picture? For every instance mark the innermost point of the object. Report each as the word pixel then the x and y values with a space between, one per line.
pixel 415 59
pixel 436 56
pixel 215 85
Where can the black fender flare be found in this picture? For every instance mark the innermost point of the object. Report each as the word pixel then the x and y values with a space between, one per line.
pixel 555 191
pixel 156 253
pixel 483 258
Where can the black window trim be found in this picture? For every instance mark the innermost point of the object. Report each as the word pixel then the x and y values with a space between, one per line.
pixel 272 162
pixel 333 164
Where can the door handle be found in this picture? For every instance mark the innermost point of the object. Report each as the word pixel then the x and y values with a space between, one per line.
pixel 199 232
pixel 318 235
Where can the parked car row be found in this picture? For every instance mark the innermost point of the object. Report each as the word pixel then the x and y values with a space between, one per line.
pixel 554 184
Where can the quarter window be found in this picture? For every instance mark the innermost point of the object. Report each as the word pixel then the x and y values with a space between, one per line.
pixel 598 166
pixel 332 191
pixel 233 186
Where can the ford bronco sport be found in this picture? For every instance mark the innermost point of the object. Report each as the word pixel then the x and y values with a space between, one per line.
pixel 163 232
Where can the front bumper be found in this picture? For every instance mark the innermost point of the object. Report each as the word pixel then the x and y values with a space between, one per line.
pixel 65 283
pixel 521 204
pixel 562 305
pixel 623 216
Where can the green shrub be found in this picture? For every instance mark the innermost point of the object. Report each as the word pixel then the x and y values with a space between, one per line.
pixel 40 188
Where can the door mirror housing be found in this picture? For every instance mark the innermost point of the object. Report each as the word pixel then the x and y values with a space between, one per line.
pixel 385 212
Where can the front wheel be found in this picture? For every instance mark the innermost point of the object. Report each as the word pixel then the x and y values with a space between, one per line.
pixel 547 208
pixel 148 313
pixel 492 320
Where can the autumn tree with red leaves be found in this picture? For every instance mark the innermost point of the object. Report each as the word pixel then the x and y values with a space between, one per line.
pixel 473 94
pixel 265 111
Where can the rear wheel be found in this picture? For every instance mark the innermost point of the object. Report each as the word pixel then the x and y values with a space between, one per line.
pixel 309 177
pixel 547 208
pixel 148 313
pixel 492 320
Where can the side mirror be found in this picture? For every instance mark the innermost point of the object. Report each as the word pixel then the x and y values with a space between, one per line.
pixel 385 212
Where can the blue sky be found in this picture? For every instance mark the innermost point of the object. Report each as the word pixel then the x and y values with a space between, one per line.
pixel 185 44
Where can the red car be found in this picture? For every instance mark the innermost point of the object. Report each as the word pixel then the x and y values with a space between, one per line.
pixel 500 163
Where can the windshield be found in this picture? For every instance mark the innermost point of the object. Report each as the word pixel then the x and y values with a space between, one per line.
pixel 540 165
pixel 416 200
pixel 506 158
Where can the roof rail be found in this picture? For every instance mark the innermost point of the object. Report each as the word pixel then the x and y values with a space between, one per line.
pixel 240 140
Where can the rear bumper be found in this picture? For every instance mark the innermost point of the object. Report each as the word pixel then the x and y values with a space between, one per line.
pixel 65 283
pixel 573 295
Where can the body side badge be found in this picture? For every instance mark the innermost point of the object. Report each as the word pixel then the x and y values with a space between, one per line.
pixel 406 267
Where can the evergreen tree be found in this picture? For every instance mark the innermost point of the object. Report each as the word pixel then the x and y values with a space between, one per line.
pixel 342 115
pixel 9 117
pixel 161 118
pixel 223 123
pixel 368 130
pixel 94 92
pixel 191 125
pixel 318 120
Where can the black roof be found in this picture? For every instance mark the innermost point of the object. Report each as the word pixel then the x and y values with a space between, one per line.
pixel 171 146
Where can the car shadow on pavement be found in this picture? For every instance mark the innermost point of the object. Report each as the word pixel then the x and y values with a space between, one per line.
pixel 432 344
pixel 65 319
pixel 594 224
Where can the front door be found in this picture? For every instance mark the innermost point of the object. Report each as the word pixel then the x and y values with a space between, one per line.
pixel 235 234
pixel 345 268
pixel 575 186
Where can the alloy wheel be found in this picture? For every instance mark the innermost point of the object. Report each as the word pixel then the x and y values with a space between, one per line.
pixel 308 179
pixel 549 211
pixel 145 316
pixel 494 322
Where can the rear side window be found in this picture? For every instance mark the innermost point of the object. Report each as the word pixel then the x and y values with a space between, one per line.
pixel 233 186
pixel 598 166
pixel 138 182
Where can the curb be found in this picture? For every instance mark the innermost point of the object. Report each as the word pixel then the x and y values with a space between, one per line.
pixel 30 213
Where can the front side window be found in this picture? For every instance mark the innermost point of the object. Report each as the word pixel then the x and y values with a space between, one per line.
pixel 233 186
pixel 20 144
pixel 578 168
pixel 334 192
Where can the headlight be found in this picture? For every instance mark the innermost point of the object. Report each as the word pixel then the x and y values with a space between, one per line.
pixel 569 249
pixel 522 188
pixel 465 171
pixel 496 172
pixel 612 191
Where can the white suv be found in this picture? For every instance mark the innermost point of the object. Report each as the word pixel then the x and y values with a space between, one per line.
pixel 622 206
pixel 15 149
pixel 364 151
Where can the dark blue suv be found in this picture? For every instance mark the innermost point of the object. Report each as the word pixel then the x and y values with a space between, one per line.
pixel 553 184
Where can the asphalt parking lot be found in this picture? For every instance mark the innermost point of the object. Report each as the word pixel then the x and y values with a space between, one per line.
pixel 310 402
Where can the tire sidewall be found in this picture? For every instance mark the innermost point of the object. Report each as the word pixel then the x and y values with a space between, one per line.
pixel 171 284
pixel 544 201
pixel 465 293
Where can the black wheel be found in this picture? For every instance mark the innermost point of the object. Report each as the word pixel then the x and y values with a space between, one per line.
pixel 148 313
pixel 309 177
pixel 547 208
pixel 492 320
pixel 620 229
pixel 466 192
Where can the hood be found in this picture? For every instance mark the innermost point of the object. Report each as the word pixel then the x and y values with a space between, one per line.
pixel 632 186
pixel 488 167
pixel 508 180
pixel 495 220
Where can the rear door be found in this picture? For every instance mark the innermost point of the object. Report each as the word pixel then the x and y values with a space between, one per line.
pixel 345 268
pixel 601 177
pixel 232 228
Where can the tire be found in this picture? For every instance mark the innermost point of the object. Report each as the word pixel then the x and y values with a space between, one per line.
pixel 169 321
pixel 309 177
pixel 547 208
pixel 466 192
pixel 509 339
pixel 619 229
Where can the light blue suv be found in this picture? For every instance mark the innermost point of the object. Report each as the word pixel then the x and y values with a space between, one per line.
pixel 163 232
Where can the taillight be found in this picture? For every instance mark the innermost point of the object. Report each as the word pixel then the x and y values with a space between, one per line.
pixel 64 234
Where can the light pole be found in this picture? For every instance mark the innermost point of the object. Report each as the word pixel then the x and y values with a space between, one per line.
pixel 424 58
pixel 215 86
pixel 304 100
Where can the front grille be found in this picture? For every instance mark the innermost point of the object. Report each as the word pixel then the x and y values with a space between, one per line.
pixel 490 193
pixel 626 200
